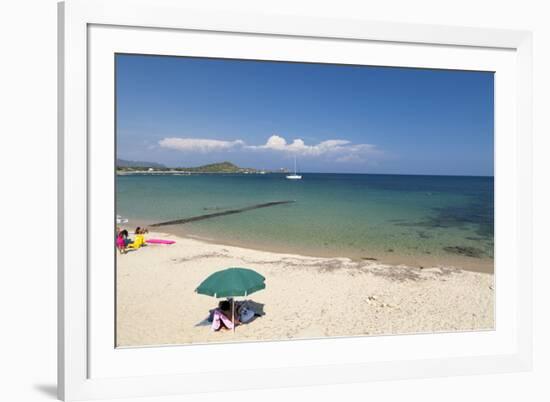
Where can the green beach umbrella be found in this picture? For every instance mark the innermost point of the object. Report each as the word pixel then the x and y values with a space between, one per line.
pixel 232 282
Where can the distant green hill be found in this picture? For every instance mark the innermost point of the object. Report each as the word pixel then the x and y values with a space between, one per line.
pixel 221 167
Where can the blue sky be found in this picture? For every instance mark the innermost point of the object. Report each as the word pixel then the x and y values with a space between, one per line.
pixel 191 111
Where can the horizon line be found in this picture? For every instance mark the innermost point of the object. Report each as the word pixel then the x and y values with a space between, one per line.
pixel 356 173
pixel 277 171
pixel 398 174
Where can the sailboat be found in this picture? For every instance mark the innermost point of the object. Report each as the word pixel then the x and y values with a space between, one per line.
pixel 294 176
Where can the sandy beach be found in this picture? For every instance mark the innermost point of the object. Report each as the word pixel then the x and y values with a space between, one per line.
pixel 305 297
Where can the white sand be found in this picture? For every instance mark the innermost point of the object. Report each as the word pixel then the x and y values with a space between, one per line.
pixel 305 296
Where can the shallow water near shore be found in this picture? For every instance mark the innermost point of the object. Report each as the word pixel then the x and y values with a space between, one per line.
pixel 415 220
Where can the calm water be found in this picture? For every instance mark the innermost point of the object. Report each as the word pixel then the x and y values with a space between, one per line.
pixel 414 219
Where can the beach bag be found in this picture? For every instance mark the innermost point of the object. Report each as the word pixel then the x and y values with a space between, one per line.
pixel 245 314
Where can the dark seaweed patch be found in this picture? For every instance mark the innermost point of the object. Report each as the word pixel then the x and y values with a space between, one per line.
pixel 465 251
pixel 477 214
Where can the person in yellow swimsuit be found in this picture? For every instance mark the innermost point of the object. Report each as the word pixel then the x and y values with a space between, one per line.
pixel 139 240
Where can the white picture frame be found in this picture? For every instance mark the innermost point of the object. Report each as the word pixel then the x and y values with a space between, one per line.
pixel 89 367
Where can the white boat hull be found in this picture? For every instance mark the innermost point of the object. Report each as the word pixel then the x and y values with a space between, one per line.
pixel 294 176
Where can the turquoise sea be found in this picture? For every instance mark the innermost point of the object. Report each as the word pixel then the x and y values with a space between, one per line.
pixel 415 220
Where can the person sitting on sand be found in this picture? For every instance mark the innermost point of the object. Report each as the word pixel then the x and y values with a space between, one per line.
pixel 242 312
pixel 125 235
pixel 221 318
pixel 226 306
pixel 223 315
pixel 121 243
pixel 139 241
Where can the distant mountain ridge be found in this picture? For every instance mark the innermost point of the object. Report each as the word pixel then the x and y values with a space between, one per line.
pixel 220 167
pixel 122 163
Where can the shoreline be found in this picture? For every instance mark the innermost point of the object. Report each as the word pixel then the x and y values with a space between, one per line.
pixel 305 297
pixel 413 260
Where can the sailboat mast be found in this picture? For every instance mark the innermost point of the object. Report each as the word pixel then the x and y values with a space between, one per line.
pixel 294 176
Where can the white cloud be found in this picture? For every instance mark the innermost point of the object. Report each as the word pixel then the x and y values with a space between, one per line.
pixel 328 147
pixel 338 149
pixel 198 144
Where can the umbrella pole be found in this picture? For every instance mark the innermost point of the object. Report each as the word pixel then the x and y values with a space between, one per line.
pixel 233 313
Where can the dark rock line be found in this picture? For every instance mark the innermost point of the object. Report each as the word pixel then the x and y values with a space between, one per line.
pixel 216 214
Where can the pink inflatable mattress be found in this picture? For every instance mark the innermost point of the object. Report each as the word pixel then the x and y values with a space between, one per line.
pixel 160 241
